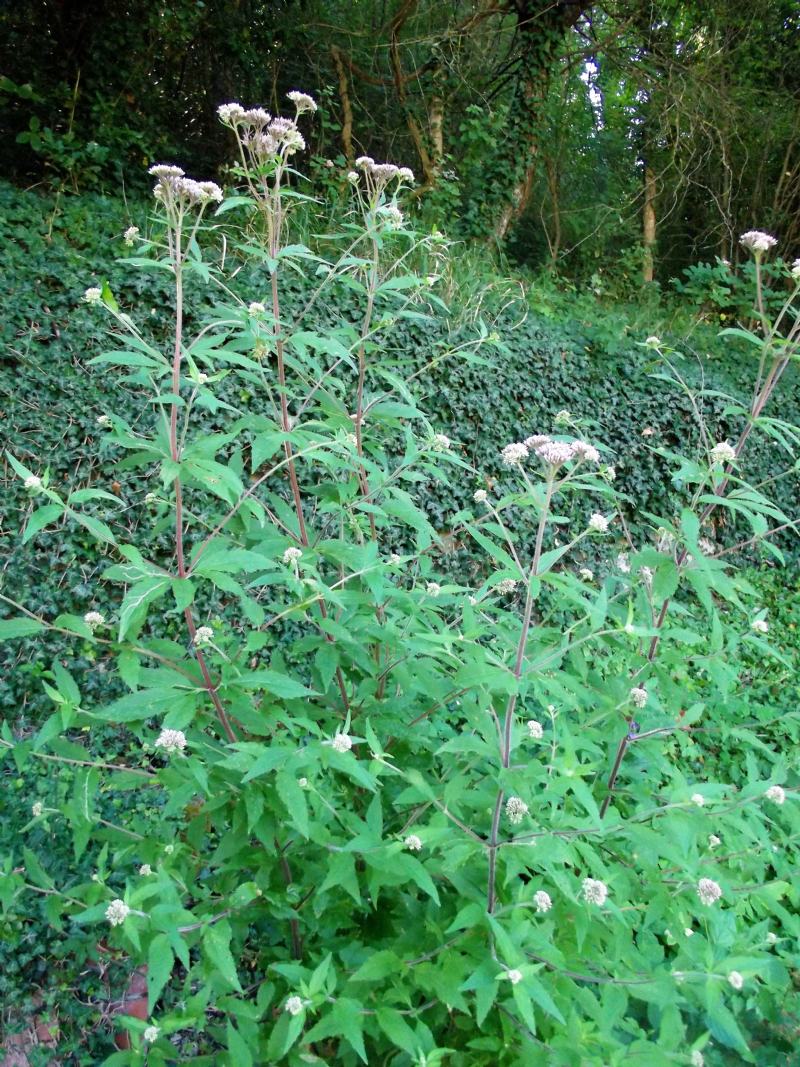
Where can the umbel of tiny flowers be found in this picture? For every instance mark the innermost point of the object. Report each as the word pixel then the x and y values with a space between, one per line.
pixel 594 891
pixel 713 841
pixel 171 742
pixel 586 574
pixel 623 563
pixel 342 742
pixel 151 1034
pixel 33 483
pixel 294 1005
pixel 535 729
pixel 255 308
pixel 203 635
pixel 514 976
pixel 505 586
pixel 795 270
pixel 697 1059
pixel 708 891
pixel 413 843
pixel 117 912
pixel 516 810
pixel 177 192
pixel 757 242
pixel 723 452
pixel 638 696
pixel 735 979
pixel 480 496
pixel 598 523
pixel 37 809
pixel 542 901
pixel 760 626
pixel 440 442
pixel 292 555
pixel 93 295
pixel 130 235
pixel 103 420
pixel 653 341
pixel 433 589
pixel 93 620
pixel 776 794
pixel 513 454
pixel 145 870
pixel 698 799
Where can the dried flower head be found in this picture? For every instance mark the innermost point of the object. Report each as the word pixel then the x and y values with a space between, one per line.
pixel 638 696
pixel 535 729
pixel 516 810
pixel 93 619
pixel 292 555
pixel 117 912
pixel 171 741
pixel 480 496
pixel 542 901
pixel 595 892
pixel 708 891
pixel 203 635
pixel 294 1005
pixel 777 794
pixel 757 241
pixel 598 523
pixel 723 452
pixel 302 101
pixel 735 979
pixel 342 742
pixel 413 843
pixel 514 454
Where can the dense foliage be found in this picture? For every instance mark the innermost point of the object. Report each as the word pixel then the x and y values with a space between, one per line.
pixel 383 736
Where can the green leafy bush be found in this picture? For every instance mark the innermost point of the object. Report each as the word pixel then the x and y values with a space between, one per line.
pixel 388 809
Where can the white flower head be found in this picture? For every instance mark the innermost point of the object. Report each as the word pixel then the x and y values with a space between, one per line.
pixel 598 523
pixel 514 976
pixel 735 979
pixel 292 555
pixel 698 799
pixel 536 440
pixel 231 114
pixel 555 453
pixel 542 901
pixel 653 342
pixel 516 810
pixel 757 241
pixel 33 482
pixel 342 742
pixel 563 417
pixel 586 574
pixel 583 450
pixel 303 783
pixel 130 235
pixel 595 892
pixel 646 574
pixel 352 177
pixel 514 454
pixel 93 295
pixel 609 473
pixel 638 696
pixel 480 496
pixel 688 932
pixel 103 420
pixel 440 442
pixel 256 308
pixel 171 741
pixel 433 589
pixel 37 809
pixel 294 1005
pixel 505 586
pixel 93 620
pixel 413 843
pixel 760 626
pixel 772 939
pixel 776 794
pixel 708 891
pixel 151 1034
pixel 796 270
pixel 535 729
pixel 697 1059
pixel 623 563
pixel 117 912
pixel 145 870
pixel 713 841
pixel 302 101
pixel 723 452
pixel 203 635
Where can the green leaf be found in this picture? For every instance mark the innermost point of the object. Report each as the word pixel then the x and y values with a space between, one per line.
pixel 34 870
pixel 40 518
pixel 238 1048
pixel 294 800
pixel 19 627
pixel 138 597
pixel 274 682
pixel 217 948
pixel 160 961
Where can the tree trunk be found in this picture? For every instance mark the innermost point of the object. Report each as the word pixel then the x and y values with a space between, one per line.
pixel 649 224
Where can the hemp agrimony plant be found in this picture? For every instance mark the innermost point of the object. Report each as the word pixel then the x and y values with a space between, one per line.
pixel 391 816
